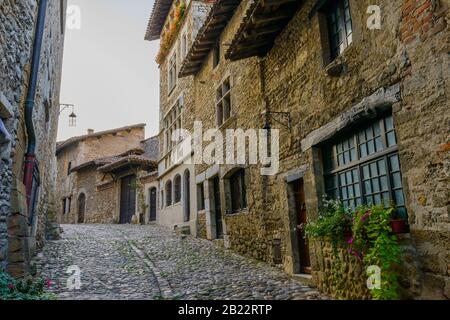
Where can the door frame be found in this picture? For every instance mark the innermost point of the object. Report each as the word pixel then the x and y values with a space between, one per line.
pixel 293 223
pixel 150 204
pixel 120 197
pixel 84 208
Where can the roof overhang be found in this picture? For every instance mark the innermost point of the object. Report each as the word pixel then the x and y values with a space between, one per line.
pixel 218 18
pixel 158 17
pixel 263 22
pixel 128 162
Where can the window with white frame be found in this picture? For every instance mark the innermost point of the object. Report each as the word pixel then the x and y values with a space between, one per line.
pixel 172 76
pixel 172 122
pixel 184 45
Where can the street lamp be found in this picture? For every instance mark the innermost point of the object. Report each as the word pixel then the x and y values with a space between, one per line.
pixel 72 116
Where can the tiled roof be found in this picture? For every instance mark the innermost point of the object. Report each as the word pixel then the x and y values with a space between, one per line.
pixel 158 16
pixel 128 160
pixel 218 18
pixel 151 148
pixel 64 144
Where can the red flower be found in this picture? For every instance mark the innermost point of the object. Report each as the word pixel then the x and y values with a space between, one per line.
pixel 48 283
pixel 11 286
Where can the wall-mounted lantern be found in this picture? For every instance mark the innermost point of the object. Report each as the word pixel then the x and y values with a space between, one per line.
pixel 72 116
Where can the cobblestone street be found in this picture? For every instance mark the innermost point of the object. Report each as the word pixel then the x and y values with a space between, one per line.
pixel 151 262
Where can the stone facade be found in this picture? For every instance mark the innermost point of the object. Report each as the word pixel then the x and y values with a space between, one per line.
pixel 177 112
pixel 82 180
pixel 17 31
pixel 400 69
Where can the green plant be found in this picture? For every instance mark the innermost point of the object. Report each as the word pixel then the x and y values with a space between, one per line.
pixel 334 222
pixel 24 289
pixel 374 244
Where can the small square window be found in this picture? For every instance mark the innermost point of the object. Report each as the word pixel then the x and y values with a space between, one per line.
pixel 339 26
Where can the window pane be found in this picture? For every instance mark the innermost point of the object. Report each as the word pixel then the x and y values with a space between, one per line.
pixel 399 198
pixel 391 140
pixel 389 123
pixel 373 169
pixel 384 183
pixel 396 180
pixel 382 167
pixel 395 166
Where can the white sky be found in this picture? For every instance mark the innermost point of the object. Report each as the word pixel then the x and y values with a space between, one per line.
pixel 109 70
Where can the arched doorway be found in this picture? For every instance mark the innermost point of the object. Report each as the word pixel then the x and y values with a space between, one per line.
pixel 81 207
pixel 187 196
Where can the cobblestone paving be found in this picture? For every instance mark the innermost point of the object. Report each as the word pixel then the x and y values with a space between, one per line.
pixel 150 262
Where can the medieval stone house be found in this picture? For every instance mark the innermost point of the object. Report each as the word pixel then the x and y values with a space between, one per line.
pixel 31 51
pixel 106 177
pixel 362 114
pixel 177 199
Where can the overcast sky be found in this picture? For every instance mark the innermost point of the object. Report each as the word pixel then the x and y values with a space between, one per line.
pixel 109 70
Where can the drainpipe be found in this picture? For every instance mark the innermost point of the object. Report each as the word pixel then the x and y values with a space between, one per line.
pixel 30 156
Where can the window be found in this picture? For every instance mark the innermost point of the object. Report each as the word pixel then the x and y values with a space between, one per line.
pixel 184 45
pixel 364 167
pixel 216 54
pixel 172 77
pixel 69 167
pixel 177 188
pixel 168 193
pixel 172 122
pixel 223 102
pixel 238 191
pixel 201 196
pixel 339 22
pixel 67 202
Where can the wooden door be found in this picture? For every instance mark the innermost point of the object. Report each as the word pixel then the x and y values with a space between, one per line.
pixel 127 199
pixel 218 208
pixel 305 263
pixel 81 207
pixel 153 204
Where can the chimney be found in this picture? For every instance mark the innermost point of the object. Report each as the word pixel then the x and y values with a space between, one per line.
pixel 90 131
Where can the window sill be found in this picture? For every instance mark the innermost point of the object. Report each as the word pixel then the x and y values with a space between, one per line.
pixel 238 213
pixel 227 123
pixel 338 66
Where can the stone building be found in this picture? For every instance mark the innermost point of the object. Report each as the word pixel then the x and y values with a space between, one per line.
pixel 176 24
pixel 101 176
pixel 31 51
pixel 362 114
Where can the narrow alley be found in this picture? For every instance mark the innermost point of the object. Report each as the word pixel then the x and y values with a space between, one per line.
pixel 129 262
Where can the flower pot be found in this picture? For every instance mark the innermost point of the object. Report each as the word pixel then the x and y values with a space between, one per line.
pixel 399 226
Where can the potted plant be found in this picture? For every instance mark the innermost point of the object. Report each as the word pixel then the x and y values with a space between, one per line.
pixel 399 223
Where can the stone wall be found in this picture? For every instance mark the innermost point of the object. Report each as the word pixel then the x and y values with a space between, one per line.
pixel 173 216
pixel 343 276
pixel 297 80
pixel 410 51
pixel 17 24
pixel 85 149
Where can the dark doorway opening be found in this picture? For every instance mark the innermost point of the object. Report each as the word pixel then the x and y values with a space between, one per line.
pixel 217 208
pixel 81 207
pixel 127 199
pixel 153 193
pixel 187 196
pixel 298 194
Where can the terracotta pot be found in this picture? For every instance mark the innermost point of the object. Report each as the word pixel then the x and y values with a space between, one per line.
pixel 399 226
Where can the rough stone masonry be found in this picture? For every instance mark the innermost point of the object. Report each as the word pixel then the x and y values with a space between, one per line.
pixel 19 235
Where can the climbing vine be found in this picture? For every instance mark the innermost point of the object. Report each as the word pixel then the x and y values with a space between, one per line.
pixel 169 35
